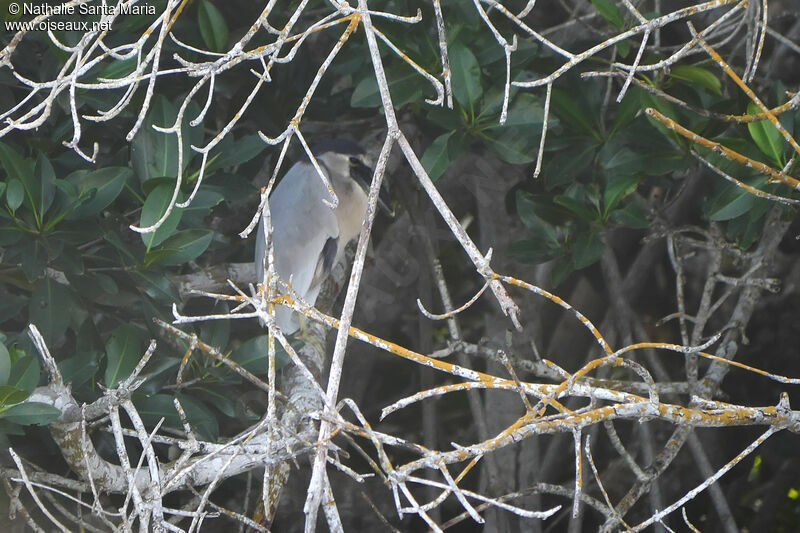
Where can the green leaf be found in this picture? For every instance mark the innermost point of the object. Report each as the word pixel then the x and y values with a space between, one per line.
pixel 157 286
pixel 542 206
pixel 466 75
pixel 515 145
pixel 213 28
pixel 624 48
pixel 15 193
pixel 436 158
pixel 618 188
pixel 25 373
pixel 731 201
pixel 565 166
pixel 79 368
pixel 45 180
pixel 11 305
pixel 766 136
pixel 725 208
pixel 221 399
pixel 610 11
pixel 154 207
pixel 632 215
pixel 237 152
pixel 217 332
pixel 184 246
pixel 123 352
pixel 160 371
pixel 615 159
pixel 254 353
pixel 578 208
pixel 404 86
pixel 533 251
pixel 50 309
pixel 18 170
pixel 526 110
pixel 11 395
pixel 444 118
pixel 201 419
pixel 587 250
pixel 155 154
pixel 34 257
pixel 528 207
pixel 30 413
pixel 562 268
pixel 118 69
pixel 627 110
pixel 574 112
pixel 5 364
pixel 700 76
pixel 101 186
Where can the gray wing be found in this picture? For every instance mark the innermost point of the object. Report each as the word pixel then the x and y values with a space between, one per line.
pixel 302 227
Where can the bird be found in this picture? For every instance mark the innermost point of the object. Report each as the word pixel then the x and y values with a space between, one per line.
pixel 308 235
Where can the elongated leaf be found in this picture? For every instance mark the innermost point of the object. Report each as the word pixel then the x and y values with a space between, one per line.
pixel 45 181
pixel 213 27
pixel 528 210
pixel 104 184
pixel 526 110
pixel 769 140
pixel 50 308
pixel 156 286
pixel 30 413
pixel 253 354
pixel 533 251
pixel 219 398
pixel 700 76
pixel 632 215
pixel 567 165
pixel 79 368
pixel 587 250
pixel 123 351
pixel 153 408
pixel 466 75
pixel 572 111
pixel 10 395
pixel 615 160
pixel 404 86
pixel 155 154
pixel 20 170
pixel 154 207
pixel 217 332
pixel 576 207
pixel 515 144
pixel 118 69
pixel 436 158
pixel 185 246
pixel 25 373
pixel 15 194
pixel 5 364
pixel 610 11
pixel 618 188
pixel 237 152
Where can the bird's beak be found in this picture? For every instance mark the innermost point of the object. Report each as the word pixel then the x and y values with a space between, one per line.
pixel 363 175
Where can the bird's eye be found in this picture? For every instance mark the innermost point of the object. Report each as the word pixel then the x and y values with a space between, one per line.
pixel 355 162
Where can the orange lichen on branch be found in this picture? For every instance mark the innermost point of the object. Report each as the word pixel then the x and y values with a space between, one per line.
pixel 744 87
pixel 775 176
pixel 561 303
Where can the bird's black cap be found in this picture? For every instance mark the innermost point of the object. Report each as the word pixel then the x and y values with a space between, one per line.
pixel 339 146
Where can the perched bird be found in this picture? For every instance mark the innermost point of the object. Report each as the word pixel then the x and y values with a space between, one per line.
pixel 308 236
